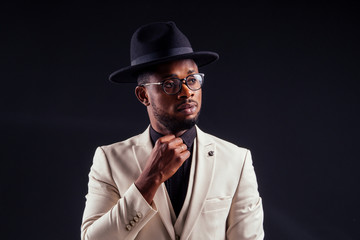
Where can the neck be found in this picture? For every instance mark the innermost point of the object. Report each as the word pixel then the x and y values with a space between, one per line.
pixel 164 131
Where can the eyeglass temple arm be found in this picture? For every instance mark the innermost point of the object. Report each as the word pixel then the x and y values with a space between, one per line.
pixel 147 84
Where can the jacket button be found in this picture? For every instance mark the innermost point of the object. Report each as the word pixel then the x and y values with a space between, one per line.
pixel 211 153
pixel 132 223
pixel 136 219
pixel 128 227
pixel 139 215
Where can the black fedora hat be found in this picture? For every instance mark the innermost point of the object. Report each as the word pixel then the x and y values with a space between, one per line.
pixel 156 43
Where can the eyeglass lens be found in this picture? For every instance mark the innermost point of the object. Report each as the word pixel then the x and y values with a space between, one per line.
pixel 173 86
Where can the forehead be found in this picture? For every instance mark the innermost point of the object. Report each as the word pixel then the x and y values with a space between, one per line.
pixel 181 68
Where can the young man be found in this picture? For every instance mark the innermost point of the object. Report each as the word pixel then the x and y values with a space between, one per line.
pixel 173 181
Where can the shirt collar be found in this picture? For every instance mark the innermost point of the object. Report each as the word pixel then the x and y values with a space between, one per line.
pixel 188 137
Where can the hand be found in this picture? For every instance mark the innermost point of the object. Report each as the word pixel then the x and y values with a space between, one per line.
pixel 168 154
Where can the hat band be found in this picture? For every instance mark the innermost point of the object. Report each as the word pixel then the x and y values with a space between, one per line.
pixel 162 54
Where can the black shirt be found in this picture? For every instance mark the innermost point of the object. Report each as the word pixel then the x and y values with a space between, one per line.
pixel 177 184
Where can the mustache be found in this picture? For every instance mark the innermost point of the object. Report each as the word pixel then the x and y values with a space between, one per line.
pixel 187 101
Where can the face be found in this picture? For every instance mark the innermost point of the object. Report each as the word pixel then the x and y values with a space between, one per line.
pixel 171 114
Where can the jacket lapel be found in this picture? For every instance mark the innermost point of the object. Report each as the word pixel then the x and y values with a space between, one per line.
pixel 142 151
pixel 204 171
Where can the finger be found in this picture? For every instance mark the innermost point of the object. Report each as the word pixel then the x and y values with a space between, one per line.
pixel 183 147
pixel 166 138
pixel 175 143
pixel 184 155
pixel 180 148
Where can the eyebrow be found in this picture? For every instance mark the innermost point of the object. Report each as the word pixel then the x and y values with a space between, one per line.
pixel 175 75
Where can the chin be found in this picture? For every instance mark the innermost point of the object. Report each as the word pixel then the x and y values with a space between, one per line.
pixel 180 125
pixel 189 118
pixel 175 122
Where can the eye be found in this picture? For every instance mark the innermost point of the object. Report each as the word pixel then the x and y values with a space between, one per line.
pixel 192 80
pixel 169 83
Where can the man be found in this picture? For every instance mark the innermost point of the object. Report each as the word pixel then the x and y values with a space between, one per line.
pixel 173 181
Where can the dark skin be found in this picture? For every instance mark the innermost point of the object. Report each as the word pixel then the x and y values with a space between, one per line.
pixel 169 152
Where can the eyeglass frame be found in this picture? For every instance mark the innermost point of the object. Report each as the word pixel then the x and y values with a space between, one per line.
pixel 181 83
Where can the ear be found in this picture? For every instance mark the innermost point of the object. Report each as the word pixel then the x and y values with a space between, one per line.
pixel 142 95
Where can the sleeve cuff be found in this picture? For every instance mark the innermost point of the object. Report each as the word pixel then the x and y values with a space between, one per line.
pixel 139 211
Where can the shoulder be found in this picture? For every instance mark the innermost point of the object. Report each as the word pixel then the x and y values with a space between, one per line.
pixel 220 143
pixel 229 153
pixel 127 142
pixel 126 145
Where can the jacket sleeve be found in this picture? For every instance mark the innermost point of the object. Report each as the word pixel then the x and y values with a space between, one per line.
pixel 108 215
pixel 245 220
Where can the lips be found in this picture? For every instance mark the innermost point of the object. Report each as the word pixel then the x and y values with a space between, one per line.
pixel 187 108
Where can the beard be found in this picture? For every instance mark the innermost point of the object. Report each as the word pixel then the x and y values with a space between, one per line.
pixel 173 124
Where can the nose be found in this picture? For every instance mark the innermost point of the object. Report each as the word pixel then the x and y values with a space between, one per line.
pixel 185 91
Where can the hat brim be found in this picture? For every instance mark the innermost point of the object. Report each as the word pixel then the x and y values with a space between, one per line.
pixel 129 74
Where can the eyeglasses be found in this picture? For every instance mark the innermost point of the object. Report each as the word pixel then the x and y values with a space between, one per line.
pixel 173 86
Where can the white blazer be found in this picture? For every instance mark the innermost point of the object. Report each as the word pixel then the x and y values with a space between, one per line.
pixel 222 201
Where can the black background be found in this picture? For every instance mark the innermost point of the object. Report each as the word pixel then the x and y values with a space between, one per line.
pixel 286 87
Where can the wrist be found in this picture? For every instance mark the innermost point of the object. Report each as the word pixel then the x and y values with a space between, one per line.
pixel 147 187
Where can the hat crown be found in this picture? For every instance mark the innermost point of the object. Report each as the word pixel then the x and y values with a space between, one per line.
pixel 160 39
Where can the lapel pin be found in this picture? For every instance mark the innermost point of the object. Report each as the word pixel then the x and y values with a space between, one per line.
pixel 211 153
